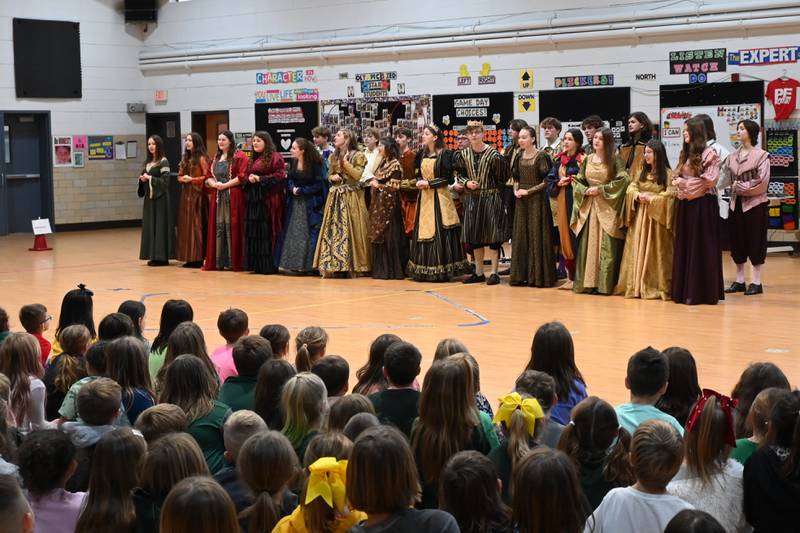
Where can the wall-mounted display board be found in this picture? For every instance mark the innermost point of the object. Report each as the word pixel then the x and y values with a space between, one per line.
pixel 452 112
pixel 571 106
pixel 782 147
pixel 287 121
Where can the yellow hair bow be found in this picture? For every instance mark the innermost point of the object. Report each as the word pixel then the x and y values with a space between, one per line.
pixel 530 408
pixel 327 481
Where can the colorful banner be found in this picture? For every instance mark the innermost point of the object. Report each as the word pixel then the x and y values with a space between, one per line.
pixel 376 76
pixel 765 56
pixel 286 95
pixel 101 147
pixel 376 87
pixel 285 76
pixel 286 122
pixel 688 61
pixel 79 142
pixel 597 80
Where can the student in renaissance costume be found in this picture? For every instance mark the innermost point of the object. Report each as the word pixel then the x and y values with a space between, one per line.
pixel 649 215
pixel 307 189
pixel 343 245
pixel 566 166
pixel 158 238
pixel 697 262
pixel 640 130
pixel 511 152
pixel 436 250
pixel 532 258
pixel 482 173
pixel 225 243
pixel 389 246
pixel 264 189
pixel 371 136
pixel 599 197
pixel 193 210
pixel 409 194
pixel 590 125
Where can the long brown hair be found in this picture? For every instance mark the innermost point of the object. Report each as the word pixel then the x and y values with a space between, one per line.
pixel 126 363
pixel 189 385
pixel 706 449
pixel 660 163
pixel 350 145
pixel 170 459
pixel 198 504
pixel 231 146
pixel 692 152
pixel 310 343
pixel 20 358
pixel 159 153
pixel 609 157
pixel 192 158
pixel 116 464
pixel 434 130
pixel 447 415
pixel 71 364
pixel 311 157
pixel 553 352
pixel 269 147
pixel 186 339
pixel 371 373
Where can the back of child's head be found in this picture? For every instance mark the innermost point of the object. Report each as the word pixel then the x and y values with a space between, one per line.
pixel 74 339
pixel 278 337
pixel 448 347
pixel 272 376
pixel 546 480
pixel 173 313
pixel 656 453
pixel 522 420
pixel 114 326
pixel 71 364
pixel 159 420
pixel 15 513
pixel 345 408
pixel 4 322
pixel 755 378
pixel 198 505
pixel 32 316
pixel 784 431
pixel 401 363
pixel 371 374
pixel 95 356
pixel 77 307
pixel 758 417
pixel 232 325
pixel 5 387
pixel 304 401
pixel 382 458
pixel 45 458
pixel 683 389
pixel 539 385
pixel 99 402
pixel 468 490
pixel 187 337
pixel 311 343
pixel 136 311
pixel 239 427
pixel 328 444
pixel 267 463
pixel 694 521
pixel 20 358
pixel 358 424
pixel 648 372
pixel 249 353
pixel 170 459
pixel 709 435
pixel 334 371
pixel 126 363
pixel 553 352
pixel 189 385
pixel 594 432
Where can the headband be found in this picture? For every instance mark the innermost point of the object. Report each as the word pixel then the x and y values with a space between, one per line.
pixel 327 481
pixel 531 411
pixel 727 404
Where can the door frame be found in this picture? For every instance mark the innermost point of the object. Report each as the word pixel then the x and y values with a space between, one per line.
pixel 205 114
pixel 45 168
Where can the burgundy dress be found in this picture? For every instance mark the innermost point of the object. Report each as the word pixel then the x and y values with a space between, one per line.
pixel 264 213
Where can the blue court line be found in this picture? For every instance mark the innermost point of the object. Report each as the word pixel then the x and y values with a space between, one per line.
pixel 149 294
pixel 482 319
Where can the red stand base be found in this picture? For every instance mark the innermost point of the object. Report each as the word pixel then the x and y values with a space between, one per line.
pixel 39 244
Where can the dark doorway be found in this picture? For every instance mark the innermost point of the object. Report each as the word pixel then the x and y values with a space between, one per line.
pixel 168 127
pixel 26 170
pixel 209 124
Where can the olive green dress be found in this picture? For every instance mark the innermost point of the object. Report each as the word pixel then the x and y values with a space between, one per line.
pixel 158 233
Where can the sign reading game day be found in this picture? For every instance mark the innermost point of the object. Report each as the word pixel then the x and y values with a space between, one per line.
pixel 689 61
pixel 285 122
pixel 765 56
pixel 453 111
pixel 285 76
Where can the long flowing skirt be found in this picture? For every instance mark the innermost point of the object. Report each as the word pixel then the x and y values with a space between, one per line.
pixel 439 258
pixel 532 255
pixel 158 234
pixel 258 232
pixel 697 263
pixel 192 219
pixel 343 244
pixel 298 253
pixel 598 258
pixel 646 270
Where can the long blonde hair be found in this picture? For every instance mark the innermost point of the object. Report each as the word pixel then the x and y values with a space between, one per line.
pixel 20 359
pixel 304 401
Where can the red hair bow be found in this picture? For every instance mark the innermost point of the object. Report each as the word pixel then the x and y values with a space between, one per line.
pixel 726 403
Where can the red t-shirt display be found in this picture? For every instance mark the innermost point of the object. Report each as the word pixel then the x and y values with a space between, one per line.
pixel 783 95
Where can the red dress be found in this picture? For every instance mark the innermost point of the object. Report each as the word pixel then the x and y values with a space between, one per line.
pixel 238 170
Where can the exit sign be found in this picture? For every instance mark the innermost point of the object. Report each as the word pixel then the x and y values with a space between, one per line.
pixel 161 96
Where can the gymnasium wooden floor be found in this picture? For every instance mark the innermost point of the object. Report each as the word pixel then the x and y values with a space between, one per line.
pixel 496 323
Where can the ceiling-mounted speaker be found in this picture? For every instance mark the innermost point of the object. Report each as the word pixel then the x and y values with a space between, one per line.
pixel 141 10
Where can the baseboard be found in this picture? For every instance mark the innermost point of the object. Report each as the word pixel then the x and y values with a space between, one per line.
pixel 111 224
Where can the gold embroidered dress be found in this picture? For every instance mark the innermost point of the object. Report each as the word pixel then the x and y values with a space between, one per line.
pixel 343 244
pixel 646 270
pixel 597 221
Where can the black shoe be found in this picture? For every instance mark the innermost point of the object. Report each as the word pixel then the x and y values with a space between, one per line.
pixel 754 289
pixel 474 279
pixel 506 272
pixel 561 274
pixel 736 287
pixel 157 263
pixel 494 279
pixel 518 283
pixel 192 264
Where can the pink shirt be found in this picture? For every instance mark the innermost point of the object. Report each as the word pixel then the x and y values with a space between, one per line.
pixel 690 186
pixel 749 178
pixel 56 511
pixel 222 358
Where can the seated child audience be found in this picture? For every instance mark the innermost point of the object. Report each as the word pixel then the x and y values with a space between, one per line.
pixel 346 408
pixel 370 376
pixel 694 521
pixel 757 422
pixel 599 447
pixel 173 313
pixel 36 321
pixel 232 325
pixel 126 364
pixel 278 337
pixel 98 408
pixel 46 462
pixel 647 379
pixel 398 403
pixel 358 424
pixel 8 435
pixel 66 369
pixel 448 347
pixel 542 387
pixel 20 362
pixel 95 361
pixel 239 427
pixel 198 505
pixel 755 378
pixel 187 339
pixel 683 389
pixel 160 420
pixel 170 459
pixel 708 478
pixel 553 352
pixel 334 371
pixel 470 492
pixel 16 515
pixel 249 353
pixel 772 474
pixel 5 327
pixel 112 327
pixel 305 403
pixel 311 343
pixel 77 307
pixel 136 311
pixel 272 376
pixel 646 506
pixel 382 458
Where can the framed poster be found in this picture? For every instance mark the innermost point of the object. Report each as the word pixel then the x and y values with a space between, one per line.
pixel 287 121
pixel 62 151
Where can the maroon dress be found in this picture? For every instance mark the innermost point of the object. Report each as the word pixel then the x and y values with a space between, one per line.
pixel 264 213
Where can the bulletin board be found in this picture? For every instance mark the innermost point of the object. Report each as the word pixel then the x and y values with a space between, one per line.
pixel 287 121
pixel 451 112
pixel 571 106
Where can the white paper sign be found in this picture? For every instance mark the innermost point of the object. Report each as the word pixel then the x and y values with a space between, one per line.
pixel 119 151
pixel 41 226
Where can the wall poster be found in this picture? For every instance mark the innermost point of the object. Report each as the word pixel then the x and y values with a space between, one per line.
pixel 286 122
pixel 451 112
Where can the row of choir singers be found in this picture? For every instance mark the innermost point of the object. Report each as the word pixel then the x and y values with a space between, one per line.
pixel 655 236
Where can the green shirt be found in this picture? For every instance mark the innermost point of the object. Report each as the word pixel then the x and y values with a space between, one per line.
pixel 744 449
pixel 207 431
pixel 156 361
pixel 238 393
